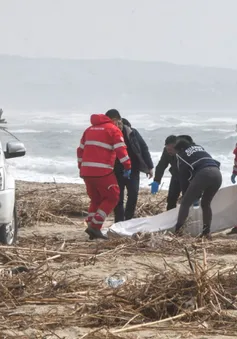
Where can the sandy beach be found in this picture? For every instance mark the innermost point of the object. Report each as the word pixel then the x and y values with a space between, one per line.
pixel 63 290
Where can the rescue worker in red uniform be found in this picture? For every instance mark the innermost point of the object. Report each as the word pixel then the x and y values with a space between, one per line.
pixel 100 145
pixel 233 180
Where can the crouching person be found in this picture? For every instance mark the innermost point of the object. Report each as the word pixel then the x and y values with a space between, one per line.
pixel 101 143
pixel 200 176
pixel 168 157
pixel 233 180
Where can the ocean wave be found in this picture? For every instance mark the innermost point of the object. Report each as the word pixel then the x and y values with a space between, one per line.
pixel 49 166
pixel 223 119
pixel 232 135
pixel 64 170
pixel 33 176
pixel 65 131
pixel 187 124
pixel 24 131
pixel 221 130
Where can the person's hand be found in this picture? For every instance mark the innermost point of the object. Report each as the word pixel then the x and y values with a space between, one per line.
pixel 196 203
pixel 154 187
pixel 233 178
pixel 150 174
pixel 127 174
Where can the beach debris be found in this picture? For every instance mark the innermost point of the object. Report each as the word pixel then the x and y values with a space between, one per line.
pixel 115 280
pixel 62 203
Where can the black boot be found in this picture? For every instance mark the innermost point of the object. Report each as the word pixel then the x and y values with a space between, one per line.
pixel 95 233
pixel 179 231
pixel 91 237
pixel 206 233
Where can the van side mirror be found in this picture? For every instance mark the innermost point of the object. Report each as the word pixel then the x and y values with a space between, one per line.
pixel 14 149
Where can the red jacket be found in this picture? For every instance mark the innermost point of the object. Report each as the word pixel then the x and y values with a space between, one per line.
pixel 235 161
pixel 100 144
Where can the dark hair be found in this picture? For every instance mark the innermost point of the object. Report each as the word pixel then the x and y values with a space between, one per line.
pixel 183 144
pixel 126 122
pixel 186 137
pixel 113 114
pixel 171 139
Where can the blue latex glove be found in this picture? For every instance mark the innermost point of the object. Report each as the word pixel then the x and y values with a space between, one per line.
pixel 233 178
pixel 154 187
pixel 127 174
pixel 196 203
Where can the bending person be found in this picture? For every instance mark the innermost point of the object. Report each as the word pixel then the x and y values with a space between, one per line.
pixel 200 176
pixel 168 158
pixel 233 180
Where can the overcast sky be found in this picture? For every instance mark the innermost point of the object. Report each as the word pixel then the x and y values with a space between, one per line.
pixel 200 32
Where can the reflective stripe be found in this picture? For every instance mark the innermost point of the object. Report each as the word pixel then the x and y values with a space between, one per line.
pixel 91 214
pixel 102 213
pixel 98 143
pixel 113 185
pixel 96 164
pixel 204 158
pixel 81 146
pixel 98 222
pixel 120 144
pixel 187 163
pixel 124 159
pixel 191 165
pixel 79 159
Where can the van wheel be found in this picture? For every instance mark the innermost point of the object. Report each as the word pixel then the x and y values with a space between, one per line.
pixel 8 232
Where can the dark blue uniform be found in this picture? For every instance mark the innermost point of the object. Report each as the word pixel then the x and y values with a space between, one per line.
pixel 200 176
pixel 192 160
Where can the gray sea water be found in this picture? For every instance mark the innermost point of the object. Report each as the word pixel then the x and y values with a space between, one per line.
pixel 51 139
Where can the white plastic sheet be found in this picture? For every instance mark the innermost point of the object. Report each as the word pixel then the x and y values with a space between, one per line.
pixel 224 208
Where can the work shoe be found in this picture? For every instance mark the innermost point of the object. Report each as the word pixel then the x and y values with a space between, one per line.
pixel 95 233
pixel 232 231
pixel 91 237
pixel 179 232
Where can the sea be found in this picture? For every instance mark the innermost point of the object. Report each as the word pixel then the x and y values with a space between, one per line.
pixel 51 139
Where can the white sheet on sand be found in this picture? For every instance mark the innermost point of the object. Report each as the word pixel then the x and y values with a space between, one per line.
pixel 224 209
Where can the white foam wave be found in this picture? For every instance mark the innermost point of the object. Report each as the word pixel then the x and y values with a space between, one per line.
pixel 34 176
pixel 63 169
pixel 232 135
pixel 221 130
pixel 187 124
pixel 224 120
pixel 23 131
pixel 44 165
pixel 65 131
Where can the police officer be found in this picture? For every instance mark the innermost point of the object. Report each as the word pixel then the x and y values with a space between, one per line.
pixel 200 176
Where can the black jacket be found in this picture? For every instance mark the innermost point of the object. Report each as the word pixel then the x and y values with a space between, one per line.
pixel 137 150
pixel 192 160
pixel 166 160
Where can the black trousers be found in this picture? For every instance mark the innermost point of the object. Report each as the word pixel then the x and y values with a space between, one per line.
pixel 173 193
pixel 132 186
pixel 206 183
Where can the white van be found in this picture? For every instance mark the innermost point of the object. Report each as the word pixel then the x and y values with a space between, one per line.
pixel 8 211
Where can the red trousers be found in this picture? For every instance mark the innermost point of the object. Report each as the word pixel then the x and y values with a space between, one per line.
pixel 104 194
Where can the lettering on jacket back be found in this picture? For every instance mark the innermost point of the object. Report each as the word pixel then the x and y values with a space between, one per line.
pixel 193 149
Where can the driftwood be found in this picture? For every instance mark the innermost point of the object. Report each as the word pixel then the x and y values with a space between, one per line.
pixel 43 286
pixel 163 295
pixel 62 203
